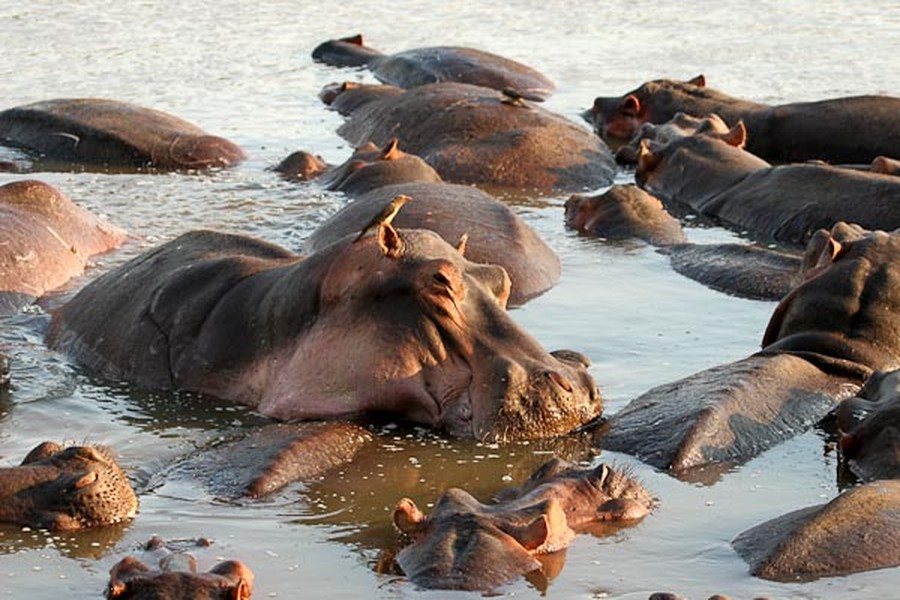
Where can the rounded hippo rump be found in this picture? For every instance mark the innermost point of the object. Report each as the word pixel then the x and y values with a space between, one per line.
pixel 857 531
pixel 103 133
pixel 474 135
pixel 716 177
pixel 824 339
pixel 841 130
pixel 64 489
pixel 422 66
pixel 494 233
pixel 172 575
pixel 623 212
pixel 47 240
pixel 397 322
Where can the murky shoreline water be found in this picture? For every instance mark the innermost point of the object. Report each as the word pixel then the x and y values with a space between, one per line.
pixel 242 70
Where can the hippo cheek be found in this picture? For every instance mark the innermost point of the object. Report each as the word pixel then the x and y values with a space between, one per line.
pixel 513 400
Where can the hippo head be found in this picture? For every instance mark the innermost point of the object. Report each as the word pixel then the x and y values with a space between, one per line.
pixel 66 489
pixel 301 166
pixel 680 126
pixel 844 313
pixel 131 579
pixel 618 119
pixel 406 325
pixel 198 152
pixel 372 167
pixel 465 545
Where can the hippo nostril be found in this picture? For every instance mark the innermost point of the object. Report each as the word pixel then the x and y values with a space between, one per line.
pixel 559 380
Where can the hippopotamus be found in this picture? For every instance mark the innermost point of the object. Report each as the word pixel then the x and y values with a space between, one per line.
pixel 390 321
pixel 495 234
pixel 680 126
pixel 824 339
pixel 109 134
pixel 464 544
pixel 475 135
pixel 174 576
pixel 64 489
pixel 627 212
pixel 857 531
pixel 421 66
pixel 719 179
pixel 885 165
pixel 258 462
pixel 623 212
pixel 841 130
pixel 47 239
pixel 869 425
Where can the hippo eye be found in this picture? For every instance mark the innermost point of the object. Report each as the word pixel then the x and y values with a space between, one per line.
pixel 441 279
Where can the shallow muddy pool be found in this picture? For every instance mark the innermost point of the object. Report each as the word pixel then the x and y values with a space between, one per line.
pixel 243 70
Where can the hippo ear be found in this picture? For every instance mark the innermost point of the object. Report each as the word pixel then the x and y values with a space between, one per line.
pixel 533 535
pixel 647 160
pixel 391 150
pixel 408 519
pixel 354 39
pixel 241 591
pixel 389 240
pixel 631 105
pixel 699 80
pixel 736 136
pixel 462 243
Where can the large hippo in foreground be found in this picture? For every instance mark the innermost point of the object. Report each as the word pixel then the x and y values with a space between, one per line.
pixel 173 576
pixel 823 341
pixel 421 66
pixel 108 134
pixel 842 130
pixel 464 544
pixel 395 321
pixel 718 178
pixel 64 489
pixel 475 135
pixel 45 240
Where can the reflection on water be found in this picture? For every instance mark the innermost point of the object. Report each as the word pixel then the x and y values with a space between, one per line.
pixel 242 70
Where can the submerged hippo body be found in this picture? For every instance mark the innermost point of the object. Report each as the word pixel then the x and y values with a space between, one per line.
pixel 64 489
pixel 474 135
pixel 110 134
pixel 494 233
pixel 174 576
pixel 46 240
pixel 422 66
pixel 823 341
pixel 842 130
pixel 464 544
pixel 623 212
pixel 396 322
pixel 784 203
pixel 857 531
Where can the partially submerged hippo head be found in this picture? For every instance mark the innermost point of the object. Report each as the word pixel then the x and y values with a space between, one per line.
pixel 66 489
pixel 371 167
pixel 175 577
pixel 680 126
pixel 843 317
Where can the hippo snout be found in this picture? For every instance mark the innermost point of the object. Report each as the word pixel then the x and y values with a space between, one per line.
pixel 537 400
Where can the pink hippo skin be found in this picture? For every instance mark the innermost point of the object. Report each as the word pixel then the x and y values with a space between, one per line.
pixel 842 130
pixel 464 544
pixel 715 177
pixel 823 341
pixel 421 66
pixel 100 133
pixel 395 322
pixel 64 489
pixel 47 240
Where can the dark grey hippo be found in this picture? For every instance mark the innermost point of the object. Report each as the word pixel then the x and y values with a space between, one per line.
pixel 100 133
pixel 841 130
pixel 474 135
pixel 47 240
pixel 857 531
pixel 718 179
pixel 825 338
pixel 389 321
pixel 870 428
pixel 421 66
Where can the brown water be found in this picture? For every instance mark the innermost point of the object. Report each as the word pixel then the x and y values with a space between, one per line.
pixel 242 70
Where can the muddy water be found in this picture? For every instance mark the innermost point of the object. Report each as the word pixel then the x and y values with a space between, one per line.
pixel 242 70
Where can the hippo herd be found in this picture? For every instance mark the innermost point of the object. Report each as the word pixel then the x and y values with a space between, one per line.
pixel 397 307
